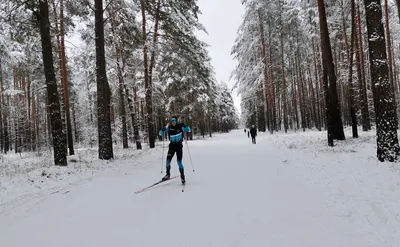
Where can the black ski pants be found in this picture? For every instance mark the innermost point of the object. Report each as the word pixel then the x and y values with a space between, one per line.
pixel 175 147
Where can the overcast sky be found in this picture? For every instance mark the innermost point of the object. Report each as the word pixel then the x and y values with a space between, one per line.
pixel 221 18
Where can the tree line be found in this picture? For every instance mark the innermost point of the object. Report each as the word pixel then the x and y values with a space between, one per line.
pixel 321 64
pixel 104 73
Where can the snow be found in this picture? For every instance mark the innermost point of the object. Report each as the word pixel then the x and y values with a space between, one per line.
pixel 287 190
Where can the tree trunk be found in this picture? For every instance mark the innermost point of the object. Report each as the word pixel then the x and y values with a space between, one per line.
pixel 34 123
pixel 64 79
pixel 334 120
pixel 1 109
pixel 29 130
pixel 285 120
pixel 267 105
pixel 390 58
pixel 271 89
pixel 103 89
pixel 147 79
pixel 134 114
pixel 77 139
pixel 122 105
pixel 387 140
pixel 366 124
pixel 317 89
pixel 63 73
pixel 5 125
pixel 350 80
pixel 295 95
pixel 59 138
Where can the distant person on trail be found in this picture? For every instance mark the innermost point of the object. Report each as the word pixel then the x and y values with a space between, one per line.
pixel 175 133
pixel 253 133
pixel 248 134
pixel 244 130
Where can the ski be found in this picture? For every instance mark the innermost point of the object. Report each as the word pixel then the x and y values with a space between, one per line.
pixel 159 182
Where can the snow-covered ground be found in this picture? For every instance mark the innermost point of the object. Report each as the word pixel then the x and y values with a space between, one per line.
pixel 287 190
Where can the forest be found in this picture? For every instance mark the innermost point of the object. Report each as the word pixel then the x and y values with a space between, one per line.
pixel 104 73
pixel 323 64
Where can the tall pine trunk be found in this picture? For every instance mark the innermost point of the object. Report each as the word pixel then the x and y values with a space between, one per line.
pixel 285 119
pixel 366 123
pixel 390 57
pixel 386 127
pixel 1 109
pixel 334 120
pixel 64 78
pixel 350 80
pixel 267 105
pixel 64 75
pixel 53 101
pixel 147 77
pixel 103 88
pixel 122 102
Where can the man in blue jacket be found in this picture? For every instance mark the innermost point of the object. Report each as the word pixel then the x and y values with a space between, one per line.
pixel 175 133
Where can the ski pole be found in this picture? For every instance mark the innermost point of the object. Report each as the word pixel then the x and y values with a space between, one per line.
pixel 162 159
pixel 187 146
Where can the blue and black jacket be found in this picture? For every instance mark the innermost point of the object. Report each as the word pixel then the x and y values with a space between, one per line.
pixel 175 133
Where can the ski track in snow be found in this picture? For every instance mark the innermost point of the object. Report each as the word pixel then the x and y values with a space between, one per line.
pixel 287 190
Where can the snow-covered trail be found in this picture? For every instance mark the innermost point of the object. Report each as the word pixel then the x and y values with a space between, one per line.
pixel 240 195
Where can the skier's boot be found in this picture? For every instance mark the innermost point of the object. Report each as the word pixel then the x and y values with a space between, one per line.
pixel 167 176
pixel 182 175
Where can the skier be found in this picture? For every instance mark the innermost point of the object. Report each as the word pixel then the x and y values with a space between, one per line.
pixel 253 133
pixel 175 133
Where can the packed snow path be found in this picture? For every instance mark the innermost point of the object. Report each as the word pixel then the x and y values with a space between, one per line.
pixel 240 195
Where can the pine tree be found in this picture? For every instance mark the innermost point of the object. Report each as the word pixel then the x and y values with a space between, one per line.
pixel 386 125
pixel 103 88
pixel 333 114
pixel 59 138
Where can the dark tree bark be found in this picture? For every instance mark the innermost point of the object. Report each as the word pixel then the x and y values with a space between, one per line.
pixel 64 78
pixel 366 124
pixel 29 131
pixel 103 88
pixel 34 127
pixel 122 104
pixel 75 124
pixel 147 79
pixel 333 115
pixel 389 54
pixel 6 113
pixel 272 88
pixel 285 119
pixel 53 101
pixel 398 8
pixel 350 80
pixel 134 115
pixel 63 74
pixel 261 110
pixel 1 110
pixel 386 124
